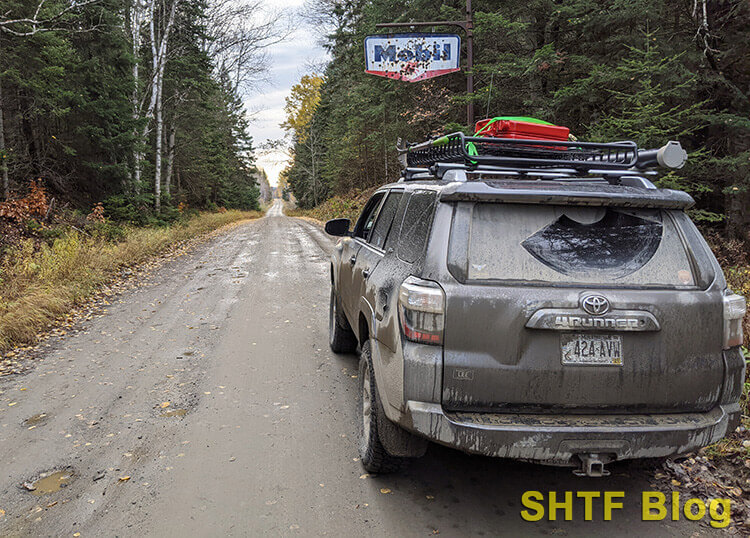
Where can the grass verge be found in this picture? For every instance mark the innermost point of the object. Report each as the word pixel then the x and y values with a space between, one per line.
pixel 42 283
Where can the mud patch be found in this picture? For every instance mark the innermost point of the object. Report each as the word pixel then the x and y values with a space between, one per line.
pixel 50 482
pixel 36 420
pixel 174 413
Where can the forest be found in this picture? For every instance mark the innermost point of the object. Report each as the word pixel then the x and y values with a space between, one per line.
pixel 642 70
pixel 134 104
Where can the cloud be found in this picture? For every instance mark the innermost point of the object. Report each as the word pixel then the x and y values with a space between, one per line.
pixel 287 61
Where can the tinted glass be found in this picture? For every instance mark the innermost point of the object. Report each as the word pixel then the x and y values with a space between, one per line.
pixel 392 239
pixel 416 225
pixel 367 218
pixel 385 219
pixel 576 244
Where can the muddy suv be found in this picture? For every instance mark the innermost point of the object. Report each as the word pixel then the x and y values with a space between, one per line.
pixel 567 313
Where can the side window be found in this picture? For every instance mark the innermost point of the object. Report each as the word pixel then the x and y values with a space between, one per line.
pixel 416 225
pixel 367 218
pixel 391 241
pixel 385 219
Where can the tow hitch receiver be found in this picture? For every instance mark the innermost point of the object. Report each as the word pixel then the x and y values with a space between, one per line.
pixel 591 465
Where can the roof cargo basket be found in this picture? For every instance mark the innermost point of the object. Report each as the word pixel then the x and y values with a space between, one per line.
pixel 583 157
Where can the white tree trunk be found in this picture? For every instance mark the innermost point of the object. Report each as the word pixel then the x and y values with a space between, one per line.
pixel 158 62
pixel 135 31
pixel 158 136
pixel 3 152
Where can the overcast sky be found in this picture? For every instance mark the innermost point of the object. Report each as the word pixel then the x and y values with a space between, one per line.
pixel 289 61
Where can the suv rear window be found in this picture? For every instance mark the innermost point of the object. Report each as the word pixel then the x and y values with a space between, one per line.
pixel 566 244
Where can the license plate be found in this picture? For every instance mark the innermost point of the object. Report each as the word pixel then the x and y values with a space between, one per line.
pixel 591 349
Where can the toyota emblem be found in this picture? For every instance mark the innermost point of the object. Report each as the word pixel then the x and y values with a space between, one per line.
pixel 596 305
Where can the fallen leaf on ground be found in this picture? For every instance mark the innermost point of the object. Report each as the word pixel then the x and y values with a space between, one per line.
pixel 385 491
pixel 124 478
pixel 165 404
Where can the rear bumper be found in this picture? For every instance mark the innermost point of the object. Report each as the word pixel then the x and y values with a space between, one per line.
pixel 556 439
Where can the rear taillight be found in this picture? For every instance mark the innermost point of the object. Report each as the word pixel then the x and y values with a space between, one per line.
pixel 734 312
pixel 421 306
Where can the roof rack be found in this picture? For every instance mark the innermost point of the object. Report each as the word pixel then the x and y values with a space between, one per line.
pixel 539 159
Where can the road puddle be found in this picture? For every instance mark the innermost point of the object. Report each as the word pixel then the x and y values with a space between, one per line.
pixel 50 483
pixel 174 413
pixel 36 420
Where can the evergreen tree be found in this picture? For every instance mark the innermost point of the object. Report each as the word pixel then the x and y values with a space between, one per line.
pixel 646 70
pixel 74 115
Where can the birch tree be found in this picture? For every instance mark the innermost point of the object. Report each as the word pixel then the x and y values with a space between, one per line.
pixel 160 23
pixel 136 23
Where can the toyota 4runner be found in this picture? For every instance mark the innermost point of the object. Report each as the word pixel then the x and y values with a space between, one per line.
pixel 540 301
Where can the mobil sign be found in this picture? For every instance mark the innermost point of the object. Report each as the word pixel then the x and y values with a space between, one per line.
pixel 412 57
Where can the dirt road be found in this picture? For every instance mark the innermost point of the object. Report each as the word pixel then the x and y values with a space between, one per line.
pixel 213 389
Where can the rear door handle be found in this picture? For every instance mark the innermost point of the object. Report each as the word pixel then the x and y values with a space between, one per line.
pixel 381 307
pixel 352 260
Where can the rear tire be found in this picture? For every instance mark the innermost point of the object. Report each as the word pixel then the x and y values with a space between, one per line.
pixel 375 458
pixel 341 338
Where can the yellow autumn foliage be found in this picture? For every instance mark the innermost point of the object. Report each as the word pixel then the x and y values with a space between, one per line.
pixel 41 285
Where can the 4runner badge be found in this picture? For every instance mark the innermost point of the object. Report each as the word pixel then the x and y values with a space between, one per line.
pixel 596 305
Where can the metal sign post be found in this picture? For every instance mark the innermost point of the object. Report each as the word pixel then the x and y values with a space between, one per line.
pixel 468 27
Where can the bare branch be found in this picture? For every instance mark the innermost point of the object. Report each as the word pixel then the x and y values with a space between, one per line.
pixel 239 34
pixel 29 26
